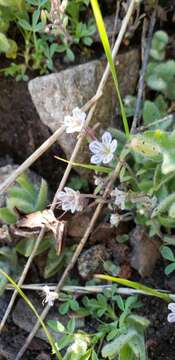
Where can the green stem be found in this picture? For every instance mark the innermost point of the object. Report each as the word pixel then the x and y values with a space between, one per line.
pixel 135 285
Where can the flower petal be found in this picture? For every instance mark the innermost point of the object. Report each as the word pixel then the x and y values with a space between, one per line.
pixel 77 113
pixel 113 145
pixel 171 307
pixel 95 146
pixel 107 158
pixel 106 138
pixel 171 317
pixel 96 159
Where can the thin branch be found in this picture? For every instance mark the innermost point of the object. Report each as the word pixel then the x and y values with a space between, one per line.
pixel 170 117
pixel 94 289
pixel 143 72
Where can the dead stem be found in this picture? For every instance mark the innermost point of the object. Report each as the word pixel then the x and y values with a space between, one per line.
pixel 143 72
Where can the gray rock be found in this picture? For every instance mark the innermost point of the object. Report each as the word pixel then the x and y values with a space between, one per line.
pixel 109 25
pixel 24 318
pixel 91 260
pixel 58 94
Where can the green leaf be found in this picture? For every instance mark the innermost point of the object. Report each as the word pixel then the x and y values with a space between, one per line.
pixel 7 216
pixel 25 246
pixel 12 52
pixel 71 325
pixel 20 204
pixel 74 305
pixel 70 54
pixel 172 211
pixel 120 302
pixel 64 341
pixel 113 348
pixel 56 326
pixel 35 17
pixel 87 355
pixel 41 201
pixel 64 308
pixel 4 43
pixel 25 25
pixel 170 268
pixel 126 353
pixel 95 168
pixel 23 180
pixel 87 41
pixel 150 112
pixel 138 320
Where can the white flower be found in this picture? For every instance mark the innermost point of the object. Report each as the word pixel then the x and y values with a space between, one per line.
pixel 70 200
pixel 120 198
pixel 115 220
pixel 171 315
pixel 103 151
pixel 75 122
pixel 50 296
pixel 98 181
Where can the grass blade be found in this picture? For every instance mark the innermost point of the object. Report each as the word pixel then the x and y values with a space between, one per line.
pixel 106 45
pixel 26 299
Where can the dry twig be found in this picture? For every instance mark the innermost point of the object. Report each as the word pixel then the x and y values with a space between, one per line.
pixel 143 71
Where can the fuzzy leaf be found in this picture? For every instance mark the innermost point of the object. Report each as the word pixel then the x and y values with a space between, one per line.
pixel 56 325
pixel 113 348
pixel 41 201
pixel 7 216
pixel 4 43
pixel 167 253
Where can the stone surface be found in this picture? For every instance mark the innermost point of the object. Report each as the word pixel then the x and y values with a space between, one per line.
pixel 24 318
pixel 145 251
pixel 58 94
pixel 91 260
pixel 22 132
pixel 109 25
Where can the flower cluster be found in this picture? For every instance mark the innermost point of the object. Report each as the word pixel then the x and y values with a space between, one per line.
pixel 50 296
pixel 120 198
pixel 103 151
pixel 70 200
pixel 75 122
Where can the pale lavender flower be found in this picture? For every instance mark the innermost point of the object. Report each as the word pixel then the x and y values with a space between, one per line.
pixel 70 200
pixel 120 197
pixel 75 122
pixel 171 315
pixel 103 151
pixel 50 296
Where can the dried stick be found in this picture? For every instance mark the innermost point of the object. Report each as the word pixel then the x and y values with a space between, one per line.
pixel 77 147
pixel 143 71
pixel 31 159
pixel 85 289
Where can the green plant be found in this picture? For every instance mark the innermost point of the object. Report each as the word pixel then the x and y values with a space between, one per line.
pixel 24 197
pixel 45 31
pixel 124 335
pixel 167 254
